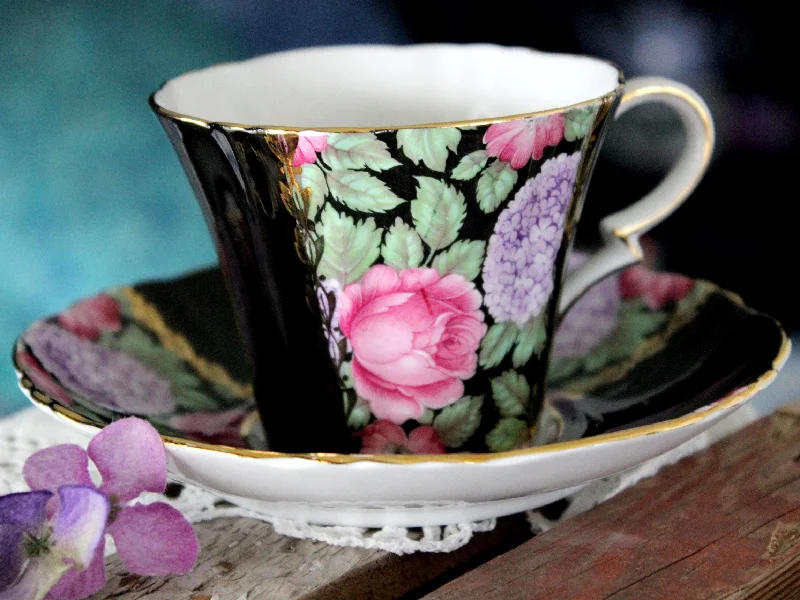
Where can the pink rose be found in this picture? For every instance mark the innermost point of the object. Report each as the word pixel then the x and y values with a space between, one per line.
pixel 89 317
pixel 308 144
pixel 414 338
pixel 657 289
pixel 517 141
pixel 384 437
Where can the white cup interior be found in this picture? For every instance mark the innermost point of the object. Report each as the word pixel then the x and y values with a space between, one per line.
pixel 386 86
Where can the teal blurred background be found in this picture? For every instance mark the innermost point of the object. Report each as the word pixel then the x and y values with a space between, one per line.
pixel 91 194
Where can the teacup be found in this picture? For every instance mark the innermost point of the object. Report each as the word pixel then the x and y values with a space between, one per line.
pixel 393 224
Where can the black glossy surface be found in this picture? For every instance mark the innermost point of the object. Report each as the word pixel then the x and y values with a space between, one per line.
pixel 235 178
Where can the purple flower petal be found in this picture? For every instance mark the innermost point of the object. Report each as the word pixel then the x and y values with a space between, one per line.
pixel 26 510
pixel 80 524
pixel 76 584
pixel 154 539
pixel 53 467
pixel 39 576
pixel 11 554
pixel 130 456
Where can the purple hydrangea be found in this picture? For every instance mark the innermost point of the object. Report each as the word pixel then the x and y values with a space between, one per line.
pixel 520 260
pixel 109 378
pixel 591 319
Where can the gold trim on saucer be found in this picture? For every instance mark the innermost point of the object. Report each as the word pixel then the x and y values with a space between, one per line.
pixel 738 397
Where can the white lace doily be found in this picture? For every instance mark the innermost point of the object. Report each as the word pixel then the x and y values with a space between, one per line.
pixel 26 432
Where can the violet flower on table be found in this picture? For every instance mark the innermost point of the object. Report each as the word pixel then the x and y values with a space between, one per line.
pixel 39 541
pixel 151 539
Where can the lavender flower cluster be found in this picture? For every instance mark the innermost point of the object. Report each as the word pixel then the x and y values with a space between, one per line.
pixel 520 260
pixel 109 378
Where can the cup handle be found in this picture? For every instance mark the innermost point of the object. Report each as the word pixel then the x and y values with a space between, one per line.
pixel 621 230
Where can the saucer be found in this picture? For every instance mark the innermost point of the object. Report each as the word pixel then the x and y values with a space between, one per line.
pixel 642 363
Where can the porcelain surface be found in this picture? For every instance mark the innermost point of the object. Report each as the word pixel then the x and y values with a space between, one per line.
pixel 396 251
pixel 641 364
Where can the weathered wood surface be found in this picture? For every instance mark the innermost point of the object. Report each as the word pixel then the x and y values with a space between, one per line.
pixel 722 524
pixel 244 559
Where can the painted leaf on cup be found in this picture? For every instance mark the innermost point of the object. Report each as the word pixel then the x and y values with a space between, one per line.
pixel 361 191
pixel 427 417
pixel 359 416
pixel 470 165
pixel 402 248
pixel 497 343
pixel 494 185
pixel 511 393
pixel 438 212
pixel 465 257
pixel 357 151
pixel 530 341
pixel 578 122
pixel 430 146
pixel 459 421
pixel 350 247
pixel 509 434
pixel 312 177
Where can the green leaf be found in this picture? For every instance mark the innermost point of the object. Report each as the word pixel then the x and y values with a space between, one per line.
pixel 496 344
pixel 470 165
pixel 530 341
pixel 457 422
pixel 438 211
pixel 465 257
pixel 193 399
pixel 511 393
pixel 429 145
pixel 350 247
pixel 361 191
pixel 427 417
pixel 578 122
pixel 359 416
pixel 508 434
pixel 402 248
pixel 356 151
pixel 636 324
pixel 495 184
pixel 313 177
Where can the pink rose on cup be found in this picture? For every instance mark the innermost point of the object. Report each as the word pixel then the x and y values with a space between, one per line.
pixel 308 144
pixel 384 437
pixel 414 337
pixel 516 142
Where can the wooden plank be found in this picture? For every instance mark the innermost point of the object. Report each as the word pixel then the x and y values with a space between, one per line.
pixel 245 559
pixel 722 524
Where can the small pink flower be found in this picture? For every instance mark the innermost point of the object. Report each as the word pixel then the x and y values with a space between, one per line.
pixel 308 144
pixel 518 141
pixel 89 317
pixel 414 337
pixel 41 379
pixel 222 427
pixel 152 539
pixel 657 289
pixel 384 437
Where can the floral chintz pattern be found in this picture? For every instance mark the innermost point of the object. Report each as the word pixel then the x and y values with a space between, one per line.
pixel 433 256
